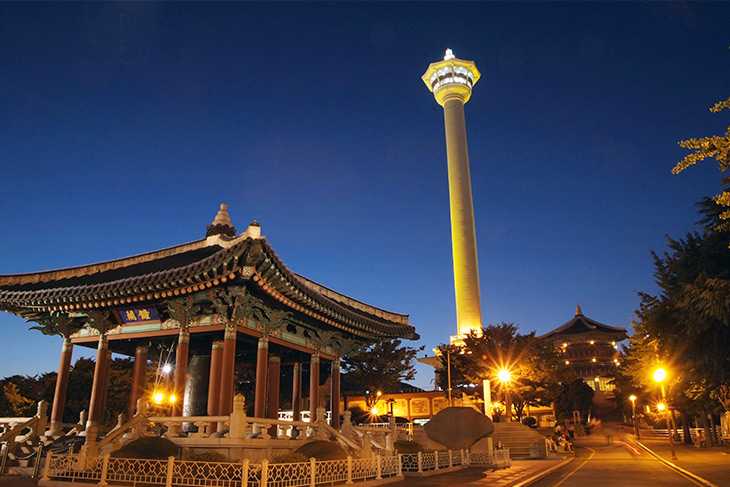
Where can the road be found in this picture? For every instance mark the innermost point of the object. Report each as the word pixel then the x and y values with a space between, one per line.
pixel 598 464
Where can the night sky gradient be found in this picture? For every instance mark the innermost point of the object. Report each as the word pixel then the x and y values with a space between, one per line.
pixel 123 126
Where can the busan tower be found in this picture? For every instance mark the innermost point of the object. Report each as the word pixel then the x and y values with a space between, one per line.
pixel 451 81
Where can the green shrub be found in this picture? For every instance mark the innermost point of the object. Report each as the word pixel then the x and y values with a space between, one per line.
pixel 152 448
pixel 292 457
pixel 402 446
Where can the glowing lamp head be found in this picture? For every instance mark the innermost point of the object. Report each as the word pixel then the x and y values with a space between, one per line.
pixel 659 375
pixel 379 393
pixel 172 399
pixel 632 398
pixel 374 411
pixel 504 376
pixel 166 369
pixel 158 397
pixel 661 407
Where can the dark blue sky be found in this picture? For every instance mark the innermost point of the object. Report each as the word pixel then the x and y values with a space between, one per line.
pixel 122 126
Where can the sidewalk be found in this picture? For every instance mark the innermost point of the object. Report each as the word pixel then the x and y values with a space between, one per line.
pixel 712 464
pixel 506 477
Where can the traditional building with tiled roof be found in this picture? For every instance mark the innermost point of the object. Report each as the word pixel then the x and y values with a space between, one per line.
pixel 589 348
pixel 219 304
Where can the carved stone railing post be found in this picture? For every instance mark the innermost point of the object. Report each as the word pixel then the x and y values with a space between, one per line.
pixel 436 461
pixel 378 467
pixel 312 472
pixel 42 415
pixel 349 469
pixel 451 459
pixel 237 427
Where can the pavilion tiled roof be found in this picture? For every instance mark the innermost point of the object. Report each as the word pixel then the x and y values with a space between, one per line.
pixel 582 324
pixel 193 267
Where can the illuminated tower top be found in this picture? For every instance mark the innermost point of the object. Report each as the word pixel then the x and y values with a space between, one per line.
pixel 452 77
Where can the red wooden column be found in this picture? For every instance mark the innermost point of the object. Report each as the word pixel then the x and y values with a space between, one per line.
pixel 138 379
pixel 59 395
pixel 97 392
pixel 214 381
pixel 296 391
pixel 228 362
pixel 313 386
pixel 262 365
pixel 335 393
pixel 105 384
pixel 181 369
pixel 272 390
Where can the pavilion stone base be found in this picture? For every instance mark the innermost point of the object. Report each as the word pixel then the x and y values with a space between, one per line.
pixel 237 449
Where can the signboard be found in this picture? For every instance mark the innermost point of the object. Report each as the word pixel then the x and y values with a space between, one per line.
pixel 146 314
pixel 439 403
pixel 420 407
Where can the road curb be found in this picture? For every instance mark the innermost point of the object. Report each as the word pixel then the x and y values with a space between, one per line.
pixel 674 466
pixel 544 473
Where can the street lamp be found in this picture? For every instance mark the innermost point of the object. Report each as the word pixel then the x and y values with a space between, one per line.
pixel 633 398
pixel 660 376
pixel 504 376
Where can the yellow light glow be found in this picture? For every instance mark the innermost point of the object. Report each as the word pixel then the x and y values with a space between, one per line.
pixel 661 407
pixel 158 397
pixel 632 398
pixel 593 359
pixel 567 362
pixel 596 379
pixel 374 411
pixel 172 399
pixel 660 375
pixel 565 344
pixel 592 342
pixel 380 393
pixel 504 376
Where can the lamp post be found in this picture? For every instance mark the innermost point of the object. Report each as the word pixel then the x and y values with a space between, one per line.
pixel 504 376
pixel 660 376
pixel 633 398
pixel 448 373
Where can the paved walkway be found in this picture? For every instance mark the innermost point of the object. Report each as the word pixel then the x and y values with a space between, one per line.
pixel 520 470
pixel 618 464
pixel 712 464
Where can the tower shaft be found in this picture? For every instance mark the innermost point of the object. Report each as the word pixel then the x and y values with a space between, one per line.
pixel 451 82
pixel 463 232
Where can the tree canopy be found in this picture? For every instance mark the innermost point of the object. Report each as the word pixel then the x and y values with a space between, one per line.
pixel 379 366
pixel 685 327
pixel 712 147
pixel 534 365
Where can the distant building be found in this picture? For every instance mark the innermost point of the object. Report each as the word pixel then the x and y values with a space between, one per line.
pixel 589 348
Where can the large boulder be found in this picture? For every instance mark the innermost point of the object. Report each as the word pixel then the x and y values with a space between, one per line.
pixel 458 428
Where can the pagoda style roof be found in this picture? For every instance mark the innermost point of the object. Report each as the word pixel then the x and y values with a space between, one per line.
pixel 581 324
pixel 193 267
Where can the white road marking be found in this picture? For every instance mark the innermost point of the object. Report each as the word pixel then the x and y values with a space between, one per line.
pixel 570 474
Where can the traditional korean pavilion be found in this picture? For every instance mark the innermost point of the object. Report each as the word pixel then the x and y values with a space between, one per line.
pixel 589 348
pixel 219 305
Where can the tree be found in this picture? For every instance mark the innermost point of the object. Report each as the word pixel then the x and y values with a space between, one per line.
pixel 686 327
pixel 533 363
pixel 379 366
pixel 575 395
pixel 713 147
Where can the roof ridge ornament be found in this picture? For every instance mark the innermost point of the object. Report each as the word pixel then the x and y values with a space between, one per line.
pixel 222 224
pixel 578 310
